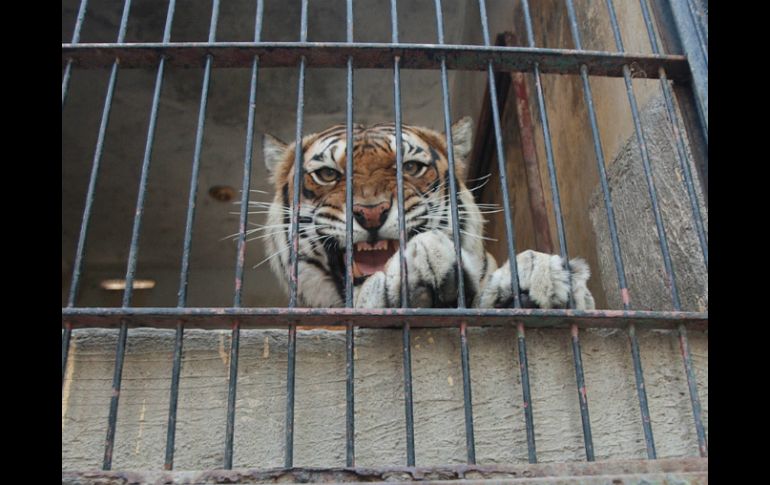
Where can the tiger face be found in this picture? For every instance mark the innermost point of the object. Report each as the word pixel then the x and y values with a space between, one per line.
pixel 322 235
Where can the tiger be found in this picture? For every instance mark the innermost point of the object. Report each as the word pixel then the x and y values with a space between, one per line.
pixel 544 279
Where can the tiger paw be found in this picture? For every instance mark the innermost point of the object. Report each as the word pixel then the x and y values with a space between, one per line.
pixel 544 281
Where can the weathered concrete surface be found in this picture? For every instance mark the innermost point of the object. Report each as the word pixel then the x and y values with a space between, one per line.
pixel 639 240
pixel 667 471
pixel 380 433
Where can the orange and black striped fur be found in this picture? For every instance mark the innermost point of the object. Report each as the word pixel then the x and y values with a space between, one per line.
pixel 429 253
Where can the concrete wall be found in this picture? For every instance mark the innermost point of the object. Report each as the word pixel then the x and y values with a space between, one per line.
pixel 380 434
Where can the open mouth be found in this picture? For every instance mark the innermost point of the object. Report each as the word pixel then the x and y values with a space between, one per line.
pixel 369 258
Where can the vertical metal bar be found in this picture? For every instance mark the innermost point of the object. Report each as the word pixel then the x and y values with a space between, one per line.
pixel 176 370
pixel 582 394
pixel 638 372
pixel 241 251
pixel 79 253
pixel 644 155
pixel 407 352
pixel 686 103
pixel 294 247
pixel 642 393
pixel 187 243
pixel 577 357
pixel 75 38
pixel 139 212
pixel 289 452
pixel 350 433
pixel 117 377
pixel 692 386
pixel 65 348
pixel 684 163
pixel 235 340
pixel 81 247
pixel 109 441
pixel 527 404
pixel 501 168
pixel 683 343
pixel 467 397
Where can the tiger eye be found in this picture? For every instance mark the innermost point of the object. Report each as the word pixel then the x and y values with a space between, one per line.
pixel 414 168
pixel 327 175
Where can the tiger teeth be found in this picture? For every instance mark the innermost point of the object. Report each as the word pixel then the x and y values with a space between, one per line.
pixel 378 246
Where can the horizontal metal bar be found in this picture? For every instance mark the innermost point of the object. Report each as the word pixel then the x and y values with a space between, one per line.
pixel 370 55
pixel 222 318
pixel 686 470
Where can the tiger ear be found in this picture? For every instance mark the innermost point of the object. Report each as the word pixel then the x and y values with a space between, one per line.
pixel 274 151
pixel 462 142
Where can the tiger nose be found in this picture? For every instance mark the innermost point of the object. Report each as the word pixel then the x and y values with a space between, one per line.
pixel 371 216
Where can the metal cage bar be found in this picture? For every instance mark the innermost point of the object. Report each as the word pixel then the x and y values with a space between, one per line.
pixel 294 248
pixel 577 356
pixel 241 251
pixel 187 244
pixel 684 162
pixel 635 356
pixel 373 55
pixel 122 334
pixel 75 38
pixel 350 430
pixel 682 333
pixel 403 267
pixel 511 241
pixel 265 317
pixel 470 444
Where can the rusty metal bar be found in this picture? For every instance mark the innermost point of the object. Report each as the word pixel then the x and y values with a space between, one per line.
pixel 294 248
pixel 470 444
pixel 670 470
pixel 644 410
pixel 684 344
pixel 372 55
pixel 176 370
pixel 692 386
pixel 636 358
pixel 241 251
pixel 65 348
pixel 686 98
pixel 235 340
pixel 577 357
pixel 526 393
pixel 140 198
pixel 501 164
pixel 123 333
pixel 684 163
pixel 404 271
pixel 75 38
pixel 350 431
pixel 187 242
pixel 221 318
pixel 510 233
pixel 117 377
pixel 81 247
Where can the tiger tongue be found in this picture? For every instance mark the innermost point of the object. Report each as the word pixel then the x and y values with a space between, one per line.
pixel 370 258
